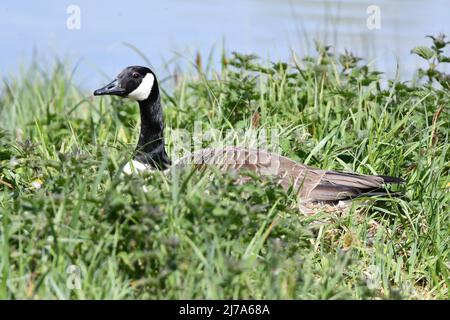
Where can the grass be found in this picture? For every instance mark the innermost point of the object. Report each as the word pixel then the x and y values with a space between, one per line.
pixel 63 201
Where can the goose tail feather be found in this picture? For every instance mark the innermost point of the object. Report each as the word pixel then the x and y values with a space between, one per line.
pixel 392 180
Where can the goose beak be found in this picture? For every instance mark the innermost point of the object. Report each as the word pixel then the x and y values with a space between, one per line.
pixel 112 88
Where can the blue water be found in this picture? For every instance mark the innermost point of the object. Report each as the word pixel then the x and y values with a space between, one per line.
pixel 170 32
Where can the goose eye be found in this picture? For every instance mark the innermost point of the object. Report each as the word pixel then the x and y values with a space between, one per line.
pixel 135 75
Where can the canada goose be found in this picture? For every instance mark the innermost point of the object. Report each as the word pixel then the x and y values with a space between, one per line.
pixel 313 186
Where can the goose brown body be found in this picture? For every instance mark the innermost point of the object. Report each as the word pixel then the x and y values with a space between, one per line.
pixel 311 184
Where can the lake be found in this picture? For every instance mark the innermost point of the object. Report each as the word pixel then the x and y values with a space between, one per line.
pixel 170 32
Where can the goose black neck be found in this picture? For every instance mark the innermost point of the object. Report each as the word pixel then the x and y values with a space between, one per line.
pixel 150 148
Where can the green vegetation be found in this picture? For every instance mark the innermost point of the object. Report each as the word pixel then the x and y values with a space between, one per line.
pixel 64 202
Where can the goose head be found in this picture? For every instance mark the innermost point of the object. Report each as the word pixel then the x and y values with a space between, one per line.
pixel 134 82
pixel 139 83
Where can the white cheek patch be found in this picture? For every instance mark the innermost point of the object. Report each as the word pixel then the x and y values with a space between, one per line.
pixel 143 91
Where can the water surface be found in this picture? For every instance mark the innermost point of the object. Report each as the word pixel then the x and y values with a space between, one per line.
pixel 170 32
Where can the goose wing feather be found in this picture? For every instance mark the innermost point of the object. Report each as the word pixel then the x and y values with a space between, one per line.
pixel 311 184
